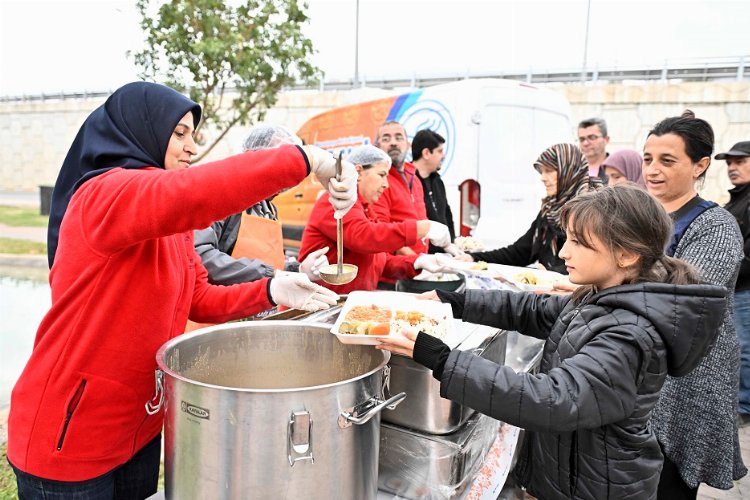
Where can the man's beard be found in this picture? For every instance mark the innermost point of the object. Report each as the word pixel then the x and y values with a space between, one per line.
pixel 397 158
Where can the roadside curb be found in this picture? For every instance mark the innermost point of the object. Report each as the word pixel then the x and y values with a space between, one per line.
pixel 13 260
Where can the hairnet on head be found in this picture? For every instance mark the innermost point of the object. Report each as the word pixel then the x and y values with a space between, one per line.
pixel 367 155
pixel 265 136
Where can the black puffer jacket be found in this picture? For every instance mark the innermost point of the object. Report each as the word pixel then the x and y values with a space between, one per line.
pixel 586 414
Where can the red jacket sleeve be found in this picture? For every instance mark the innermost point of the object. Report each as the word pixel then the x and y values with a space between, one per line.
pixel 129 206
pixel 231 302
pixel 400 267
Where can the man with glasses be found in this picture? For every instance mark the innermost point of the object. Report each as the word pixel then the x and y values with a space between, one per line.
pixel 593 140
pixel 404 198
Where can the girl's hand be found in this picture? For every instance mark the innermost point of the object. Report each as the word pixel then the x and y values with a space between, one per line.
pixel 464 258
pixel 562 287
pixel 400 344
pixel 431 295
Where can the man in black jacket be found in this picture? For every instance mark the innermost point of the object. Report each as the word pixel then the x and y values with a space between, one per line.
pixel 738 168
pixel 427 150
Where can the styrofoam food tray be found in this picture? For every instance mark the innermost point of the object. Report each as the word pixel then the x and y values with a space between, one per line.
pixel 510 274
pixel 395 301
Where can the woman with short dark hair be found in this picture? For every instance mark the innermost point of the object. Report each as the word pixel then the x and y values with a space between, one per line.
pixel 695 418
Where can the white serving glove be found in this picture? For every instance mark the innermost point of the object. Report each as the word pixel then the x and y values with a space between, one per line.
pixel 296 291
pixel 434 263
pixel 453 250
pixel 343 194
pixel 438 234
pixel 313 262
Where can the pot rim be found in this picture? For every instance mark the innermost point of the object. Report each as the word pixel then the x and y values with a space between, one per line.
pixel 161 354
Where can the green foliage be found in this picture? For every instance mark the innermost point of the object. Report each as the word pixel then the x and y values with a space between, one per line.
pixel 7 478
pixel 22 247
pixel 208 48
pixel 22 217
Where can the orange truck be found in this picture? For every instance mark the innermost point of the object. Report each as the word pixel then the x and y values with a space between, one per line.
pixel 494 130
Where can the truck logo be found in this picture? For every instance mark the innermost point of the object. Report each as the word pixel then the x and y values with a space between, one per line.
pixel 415 114
pixel 195 411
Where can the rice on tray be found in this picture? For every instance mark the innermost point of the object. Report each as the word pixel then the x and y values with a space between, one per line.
pixel 424 323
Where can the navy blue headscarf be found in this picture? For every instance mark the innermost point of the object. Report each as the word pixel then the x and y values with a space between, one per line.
pixel 130 130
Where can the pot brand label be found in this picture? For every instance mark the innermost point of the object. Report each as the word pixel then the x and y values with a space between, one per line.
pixel 195 411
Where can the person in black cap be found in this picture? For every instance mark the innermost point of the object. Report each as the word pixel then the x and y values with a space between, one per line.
pixel 738 169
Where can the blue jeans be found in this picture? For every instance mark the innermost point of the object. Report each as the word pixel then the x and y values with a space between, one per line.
pixel 742 324
pixel 136 479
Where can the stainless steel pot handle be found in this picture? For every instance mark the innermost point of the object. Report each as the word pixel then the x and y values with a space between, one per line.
pixel 151 408
pixel 299 437
pixel 363 412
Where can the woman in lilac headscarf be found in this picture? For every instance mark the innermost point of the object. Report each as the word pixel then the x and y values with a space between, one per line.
pixel 624 166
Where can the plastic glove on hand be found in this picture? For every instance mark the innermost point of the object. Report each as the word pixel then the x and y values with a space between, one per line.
pixel 453 250
pixel 296 291
pixel 438 234
pixel 434 263
pixel 313 262
pixel 343 193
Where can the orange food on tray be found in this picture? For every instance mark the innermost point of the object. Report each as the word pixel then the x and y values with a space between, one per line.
pixel 367 320
pixel 413 317
pixel 369 313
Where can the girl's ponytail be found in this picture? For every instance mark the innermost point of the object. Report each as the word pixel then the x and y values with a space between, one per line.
pixel 675 271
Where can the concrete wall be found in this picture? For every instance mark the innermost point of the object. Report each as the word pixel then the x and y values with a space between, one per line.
pixel 35 136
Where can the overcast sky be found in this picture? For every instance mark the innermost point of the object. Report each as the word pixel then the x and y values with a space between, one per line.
pixel 55 45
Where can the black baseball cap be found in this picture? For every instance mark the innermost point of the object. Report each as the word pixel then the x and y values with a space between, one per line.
pixel 739 149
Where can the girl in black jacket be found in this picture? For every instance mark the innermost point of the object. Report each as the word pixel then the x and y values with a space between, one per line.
pixel 638 316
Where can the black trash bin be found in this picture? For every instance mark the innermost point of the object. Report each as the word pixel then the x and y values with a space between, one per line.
pixel 45 199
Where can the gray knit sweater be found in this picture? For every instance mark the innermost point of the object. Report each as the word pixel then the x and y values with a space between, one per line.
pixel 695 418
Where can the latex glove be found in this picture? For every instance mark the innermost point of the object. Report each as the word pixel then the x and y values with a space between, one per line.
pixel 313 262
pixel 434 263
pixel 296 291
pixel 343 194
pixel 453 250
pixel 438 234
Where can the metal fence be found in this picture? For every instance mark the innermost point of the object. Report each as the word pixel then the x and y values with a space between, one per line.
pixel 706 69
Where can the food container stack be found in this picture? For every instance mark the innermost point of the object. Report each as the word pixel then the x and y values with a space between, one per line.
pixel 430 447
pixel 419 465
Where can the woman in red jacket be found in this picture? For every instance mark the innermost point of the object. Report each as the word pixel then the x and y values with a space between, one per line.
pixel 125 278
pixel 368 243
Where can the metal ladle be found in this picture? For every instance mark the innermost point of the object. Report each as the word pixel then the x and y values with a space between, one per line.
pixel 339 273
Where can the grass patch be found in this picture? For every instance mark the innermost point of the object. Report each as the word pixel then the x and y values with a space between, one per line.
pixel 22 247
pixel 7 477
pixel 22 217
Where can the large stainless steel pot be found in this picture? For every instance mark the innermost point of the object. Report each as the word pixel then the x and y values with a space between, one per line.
pixel 272 409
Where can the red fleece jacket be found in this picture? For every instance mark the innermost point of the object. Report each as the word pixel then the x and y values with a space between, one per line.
pixel 403 200
pixel 367 244
pixel 125 280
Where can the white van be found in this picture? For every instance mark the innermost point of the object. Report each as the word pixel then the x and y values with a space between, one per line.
pixel 494 130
